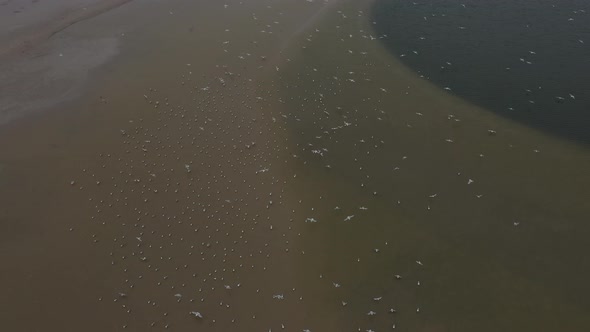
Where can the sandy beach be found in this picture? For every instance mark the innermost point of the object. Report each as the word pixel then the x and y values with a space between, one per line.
pixel 37 71
pixel 27 24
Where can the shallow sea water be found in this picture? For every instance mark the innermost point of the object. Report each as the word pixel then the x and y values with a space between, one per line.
pixel 272 166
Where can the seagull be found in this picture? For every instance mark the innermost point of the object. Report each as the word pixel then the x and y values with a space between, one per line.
pixel 196 314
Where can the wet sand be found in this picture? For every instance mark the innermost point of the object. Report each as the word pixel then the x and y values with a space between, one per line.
pixel 27 24
pixel 201 170
pixel 38 71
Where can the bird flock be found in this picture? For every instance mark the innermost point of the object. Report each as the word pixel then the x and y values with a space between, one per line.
pixel 292 189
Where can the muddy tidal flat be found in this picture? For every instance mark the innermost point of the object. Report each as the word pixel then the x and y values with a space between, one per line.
pixel 286 165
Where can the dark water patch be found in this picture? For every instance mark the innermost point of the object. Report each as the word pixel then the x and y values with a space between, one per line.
pixel 525 60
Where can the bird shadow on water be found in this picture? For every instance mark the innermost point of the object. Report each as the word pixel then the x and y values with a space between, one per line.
pixel 521 61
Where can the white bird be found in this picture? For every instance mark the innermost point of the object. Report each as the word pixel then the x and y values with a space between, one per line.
pixel 196 314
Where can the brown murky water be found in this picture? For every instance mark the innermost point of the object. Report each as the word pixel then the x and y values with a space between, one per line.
pixel 270 166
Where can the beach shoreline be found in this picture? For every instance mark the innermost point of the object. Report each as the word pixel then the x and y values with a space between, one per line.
pixel 39 71
pixel 21 35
